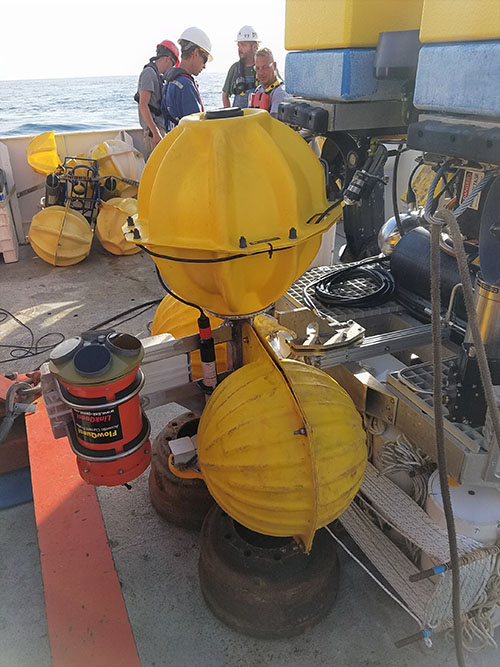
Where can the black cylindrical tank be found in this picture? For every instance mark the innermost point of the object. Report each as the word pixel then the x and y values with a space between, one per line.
pixel 411 268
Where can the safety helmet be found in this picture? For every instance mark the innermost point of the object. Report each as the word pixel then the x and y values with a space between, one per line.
pixel 167 48
pixel 247 34
pixel 198 37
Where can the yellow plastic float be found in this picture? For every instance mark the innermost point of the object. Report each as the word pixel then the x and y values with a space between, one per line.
pixel 60 236
pixel 174 317
pixel 245 197
pixel 118 158
pixel 42 153
pixel 112 216
pixel 281 445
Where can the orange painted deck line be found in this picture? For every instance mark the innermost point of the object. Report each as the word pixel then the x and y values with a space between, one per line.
pixel 86 614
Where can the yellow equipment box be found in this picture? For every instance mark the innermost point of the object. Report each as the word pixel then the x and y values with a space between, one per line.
pixel 340 24
pixel 460 20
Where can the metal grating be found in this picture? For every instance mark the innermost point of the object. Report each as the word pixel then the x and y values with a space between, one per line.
pixel 353 288
pixel 414 381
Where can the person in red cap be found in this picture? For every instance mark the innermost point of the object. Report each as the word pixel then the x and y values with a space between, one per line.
pixel 149 89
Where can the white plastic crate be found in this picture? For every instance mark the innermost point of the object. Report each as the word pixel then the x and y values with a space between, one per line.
pixel 9 246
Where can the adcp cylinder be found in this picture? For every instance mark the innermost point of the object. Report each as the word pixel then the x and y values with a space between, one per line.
pixel 100 379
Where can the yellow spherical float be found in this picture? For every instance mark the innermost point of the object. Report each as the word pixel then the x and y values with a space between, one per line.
pixel 112 216
pixel 281 446
pixel 60 236
pixel 233 208
pixel 176 318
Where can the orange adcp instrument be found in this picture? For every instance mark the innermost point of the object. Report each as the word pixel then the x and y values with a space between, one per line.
pixel 99 378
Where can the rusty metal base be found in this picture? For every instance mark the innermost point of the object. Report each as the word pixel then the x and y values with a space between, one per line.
pixel 183 502
pixel 265 586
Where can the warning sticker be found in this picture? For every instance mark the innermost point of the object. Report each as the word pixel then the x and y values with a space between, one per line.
pixel 101 426
pixel 471 179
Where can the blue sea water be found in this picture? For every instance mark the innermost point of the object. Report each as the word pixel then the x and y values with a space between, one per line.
pixel 68 105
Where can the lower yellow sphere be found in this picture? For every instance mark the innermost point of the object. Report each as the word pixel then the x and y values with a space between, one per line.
pixel 282 448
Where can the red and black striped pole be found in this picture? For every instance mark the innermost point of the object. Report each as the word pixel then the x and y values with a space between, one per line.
pixel 207 353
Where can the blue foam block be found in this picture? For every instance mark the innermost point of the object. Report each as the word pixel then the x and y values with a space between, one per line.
pixel 15 488
pixel 462 78
pixel 338 75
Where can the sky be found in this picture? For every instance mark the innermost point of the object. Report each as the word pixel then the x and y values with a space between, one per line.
pixel 42 40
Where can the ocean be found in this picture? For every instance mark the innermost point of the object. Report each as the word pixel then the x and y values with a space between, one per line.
pixel 68 105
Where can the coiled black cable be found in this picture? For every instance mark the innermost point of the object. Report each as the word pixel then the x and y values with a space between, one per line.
pixel 328 289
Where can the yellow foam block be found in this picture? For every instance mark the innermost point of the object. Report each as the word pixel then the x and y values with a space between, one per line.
pixel 339 24
pixel 460 20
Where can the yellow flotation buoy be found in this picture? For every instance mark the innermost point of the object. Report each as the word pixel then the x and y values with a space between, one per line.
pixel 241 202
pixel 42 153
pixel 281 445
pixel 174 317
pixel 112 216
pixel 118 158
pixel 60 236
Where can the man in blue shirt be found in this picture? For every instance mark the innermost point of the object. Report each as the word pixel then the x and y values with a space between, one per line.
pixel 181 96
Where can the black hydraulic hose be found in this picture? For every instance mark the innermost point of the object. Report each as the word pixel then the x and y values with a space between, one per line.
pixel 439 431
pixel 395 191
pixel 327 288
pixel 411 197
pixel 341 275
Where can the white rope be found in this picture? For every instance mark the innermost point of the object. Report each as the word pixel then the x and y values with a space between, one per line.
pixel 430 602
pixel 377 581
pixel 401 456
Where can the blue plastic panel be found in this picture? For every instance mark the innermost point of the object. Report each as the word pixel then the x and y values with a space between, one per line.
pixel 460 78
pixel 337 75
pixel 15 488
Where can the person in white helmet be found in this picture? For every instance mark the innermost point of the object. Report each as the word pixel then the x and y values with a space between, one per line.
pixel 181 95
pixel 241 79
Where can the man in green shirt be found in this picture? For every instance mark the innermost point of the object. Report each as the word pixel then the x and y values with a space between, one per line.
pixel 241 79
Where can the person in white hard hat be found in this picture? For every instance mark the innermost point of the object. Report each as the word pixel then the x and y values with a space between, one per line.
pixel 241 79
pixel 181 95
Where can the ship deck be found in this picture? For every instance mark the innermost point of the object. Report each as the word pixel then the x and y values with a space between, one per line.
pixel 155 564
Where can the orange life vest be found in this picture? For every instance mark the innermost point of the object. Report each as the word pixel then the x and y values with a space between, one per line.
pixel 262 99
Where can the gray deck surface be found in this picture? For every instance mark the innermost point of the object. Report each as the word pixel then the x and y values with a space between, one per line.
pixel 157 563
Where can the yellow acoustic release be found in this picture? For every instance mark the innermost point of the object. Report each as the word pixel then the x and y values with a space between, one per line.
pixel 60 236
pixel 176 318
pixel 112 216
pixel 239 201
pixel 281 446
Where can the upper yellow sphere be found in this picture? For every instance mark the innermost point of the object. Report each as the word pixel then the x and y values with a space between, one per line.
pixel 245 196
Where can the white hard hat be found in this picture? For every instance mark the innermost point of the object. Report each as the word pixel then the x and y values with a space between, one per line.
pixel 247 34
pixel 198 37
